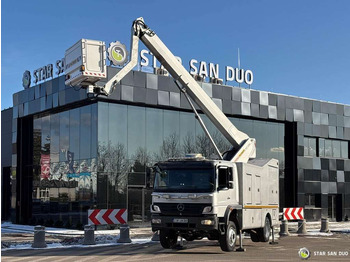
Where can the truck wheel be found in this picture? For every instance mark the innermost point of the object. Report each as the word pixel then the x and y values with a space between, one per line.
pixel 168 239
pixel 265 232
pixel 228 240
pixel 254 236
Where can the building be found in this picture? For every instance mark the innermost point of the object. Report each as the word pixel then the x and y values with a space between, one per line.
pixel 64 153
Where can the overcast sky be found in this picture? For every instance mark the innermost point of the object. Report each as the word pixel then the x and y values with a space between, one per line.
pixel 294 47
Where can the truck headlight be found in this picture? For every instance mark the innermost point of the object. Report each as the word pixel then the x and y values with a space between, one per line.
pixel 155 209
pixel 156 221
pixel 207 210
pixel 207 222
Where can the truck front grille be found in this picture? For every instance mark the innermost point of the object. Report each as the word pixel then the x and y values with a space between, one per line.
pixel 189 209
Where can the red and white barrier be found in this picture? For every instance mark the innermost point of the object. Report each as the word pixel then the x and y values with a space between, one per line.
pixel 107 216
pixel 293 213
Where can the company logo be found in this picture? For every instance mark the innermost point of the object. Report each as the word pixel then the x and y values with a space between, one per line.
pixel 26 79
pixel 117 53
pixel 304 253
pixel 181 207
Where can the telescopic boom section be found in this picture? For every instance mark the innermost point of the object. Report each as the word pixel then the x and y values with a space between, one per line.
pixel 244 146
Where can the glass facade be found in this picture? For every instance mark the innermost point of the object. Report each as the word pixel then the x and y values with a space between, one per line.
pixel 100 156
pixel 333 148
pixel 64 166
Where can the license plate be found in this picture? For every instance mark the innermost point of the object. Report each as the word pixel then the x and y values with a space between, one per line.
pixel 180 220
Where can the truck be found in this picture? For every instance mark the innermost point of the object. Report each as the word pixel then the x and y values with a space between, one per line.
pixel 195 197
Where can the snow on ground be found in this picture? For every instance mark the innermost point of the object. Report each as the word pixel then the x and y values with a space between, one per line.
pixel 71 238
pixel 59 245
pixel 8 227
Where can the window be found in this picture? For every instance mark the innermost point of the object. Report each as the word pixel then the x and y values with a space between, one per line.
pixel 344 147
pixel 333 148
pixel 309 146
pixel 309 200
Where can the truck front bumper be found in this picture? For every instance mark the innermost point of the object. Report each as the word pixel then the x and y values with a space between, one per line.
pixel 202 223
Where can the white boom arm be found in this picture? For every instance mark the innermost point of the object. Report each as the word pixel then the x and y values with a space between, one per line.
pixel 245 148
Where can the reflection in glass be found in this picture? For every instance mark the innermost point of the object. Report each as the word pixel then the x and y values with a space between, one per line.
pixel 55 138
pixel 117 120
pixel 103 147
pixel 328 148
pixel 321 146
pixel 344 149
pixel 85 132
pixel 154 129
pixel 136 128
pixel 336 148
pixel 94 130
pixel 64 135
pixel 74 133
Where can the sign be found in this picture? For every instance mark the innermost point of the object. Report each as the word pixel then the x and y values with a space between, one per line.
pixel 117 53
pixel 42 73
pixel 107 216
pixel 293 213
pixel 204 69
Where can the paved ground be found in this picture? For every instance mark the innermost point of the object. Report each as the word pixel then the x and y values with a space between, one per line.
pixel 325 248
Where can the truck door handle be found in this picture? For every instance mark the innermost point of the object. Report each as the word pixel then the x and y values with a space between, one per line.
pixel 228 197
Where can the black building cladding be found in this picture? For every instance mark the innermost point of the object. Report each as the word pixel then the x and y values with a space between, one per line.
pixel 71 153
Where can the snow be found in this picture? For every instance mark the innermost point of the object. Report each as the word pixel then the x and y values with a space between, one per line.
pixel 75 237
pixel 59 245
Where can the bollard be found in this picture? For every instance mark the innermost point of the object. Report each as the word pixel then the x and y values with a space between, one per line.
pixel 302 226
pixel 89 235
pixel 284 228
pixel 155 236
pixel 324 225
pixel 124 234
pixel 39 237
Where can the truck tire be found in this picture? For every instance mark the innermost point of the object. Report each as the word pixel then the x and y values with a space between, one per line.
pixel 254 236
pixel 265 232
pixel 228 240
pixel 168 239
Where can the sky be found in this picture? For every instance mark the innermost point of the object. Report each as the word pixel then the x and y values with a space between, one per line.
pixel 297 47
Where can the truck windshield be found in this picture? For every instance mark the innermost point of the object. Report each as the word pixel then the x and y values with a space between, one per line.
pixel 184 180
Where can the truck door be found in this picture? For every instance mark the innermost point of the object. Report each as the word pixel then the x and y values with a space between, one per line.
pixel 225 184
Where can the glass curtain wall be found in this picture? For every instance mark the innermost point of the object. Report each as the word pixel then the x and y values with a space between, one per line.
pixel 65 167
pixel 100 156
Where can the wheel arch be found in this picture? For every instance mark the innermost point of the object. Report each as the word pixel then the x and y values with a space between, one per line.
pixel 234 214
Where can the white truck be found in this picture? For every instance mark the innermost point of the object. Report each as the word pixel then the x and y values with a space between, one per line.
pixel 196 197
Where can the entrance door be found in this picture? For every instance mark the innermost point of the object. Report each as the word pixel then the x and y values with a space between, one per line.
pixel 332 207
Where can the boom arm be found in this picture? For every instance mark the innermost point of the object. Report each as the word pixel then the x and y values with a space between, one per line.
pixel 244 146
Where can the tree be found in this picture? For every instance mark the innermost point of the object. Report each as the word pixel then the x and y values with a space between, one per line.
pixel 188 144
pixel 170 148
